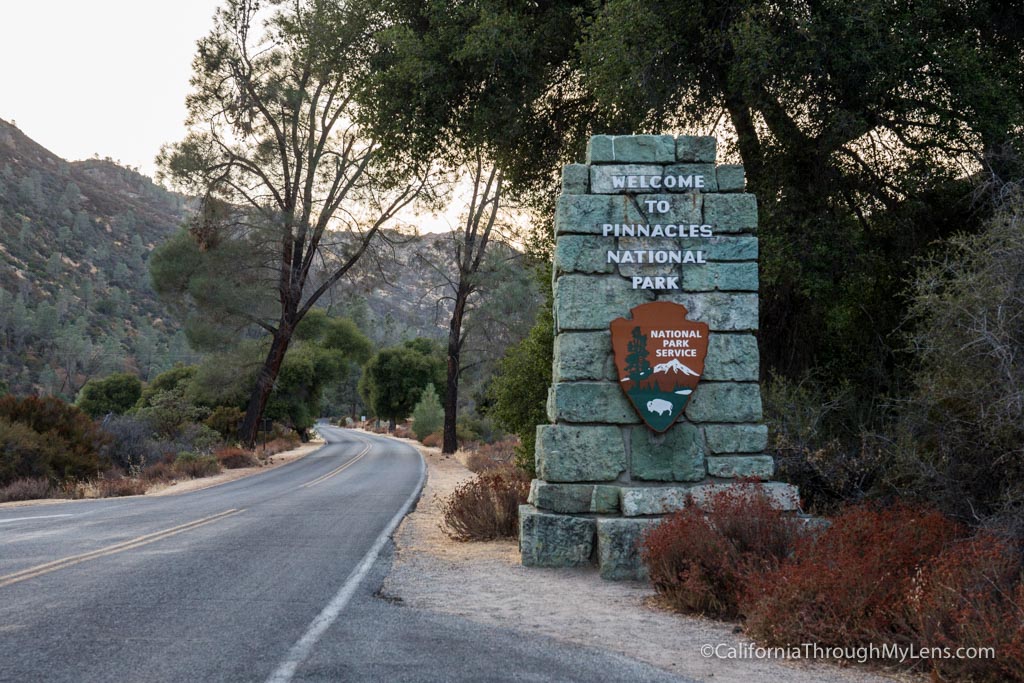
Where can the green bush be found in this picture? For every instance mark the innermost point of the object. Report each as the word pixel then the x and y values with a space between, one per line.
pixel 427 416
pixel 116 394
pixel 225 420
pixel 193 465
pixel 46 437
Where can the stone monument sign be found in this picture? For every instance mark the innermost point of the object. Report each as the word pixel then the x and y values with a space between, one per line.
pixel 655 395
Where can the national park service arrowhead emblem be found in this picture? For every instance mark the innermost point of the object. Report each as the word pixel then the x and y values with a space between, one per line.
pixel 659 355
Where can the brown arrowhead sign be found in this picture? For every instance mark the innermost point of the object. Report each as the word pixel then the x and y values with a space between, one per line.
pixel 660 357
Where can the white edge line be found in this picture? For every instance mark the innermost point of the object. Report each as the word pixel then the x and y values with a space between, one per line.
pixel 301 649
pixel 22 519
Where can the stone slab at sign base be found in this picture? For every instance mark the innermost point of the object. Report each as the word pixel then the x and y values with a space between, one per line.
pixel 648 218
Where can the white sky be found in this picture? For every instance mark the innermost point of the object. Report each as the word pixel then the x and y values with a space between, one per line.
pixel 99 76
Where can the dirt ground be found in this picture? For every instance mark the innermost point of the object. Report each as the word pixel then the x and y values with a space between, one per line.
pixel 186 485
pixel 485 582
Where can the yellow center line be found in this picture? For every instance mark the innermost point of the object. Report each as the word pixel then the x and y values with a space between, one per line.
pixel 46 568
pixel 338 470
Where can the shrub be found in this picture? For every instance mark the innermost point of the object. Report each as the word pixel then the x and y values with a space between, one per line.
pixel 225 420
pixel 701 561
pixel 487 506
pixel 121 486
pixel 972 595
pixel 64 442
pixel 428 415
pixel 130 446
pixel 276 446
pixel 478 462
pixel 115 394
pixel 433 440
pixel 235 458
pixel 195 465
pixel 25 489
pixel 196 438
pixel 846 585
pixel 159 472
pixel 167 411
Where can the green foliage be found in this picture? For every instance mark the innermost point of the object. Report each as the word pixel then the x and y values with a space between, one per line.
pixel 960 439
pixel 46 437
pixel 395 378
pixel 225 420
pixel 519 390
pixel 428 415
pixel 176 378
pixel 168 411
pixel 116 394
pixel 194 465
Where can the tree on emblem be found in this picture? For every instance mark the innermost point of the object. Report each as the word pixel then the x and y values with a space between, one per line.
pixel 637 366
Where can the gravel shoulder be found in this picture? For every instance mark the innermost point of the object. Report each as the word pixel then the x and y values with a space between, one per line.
pixel 485 583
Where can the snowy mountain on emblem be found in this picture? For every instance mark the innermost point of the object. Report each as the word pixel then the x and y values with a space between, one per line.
pixel 674 366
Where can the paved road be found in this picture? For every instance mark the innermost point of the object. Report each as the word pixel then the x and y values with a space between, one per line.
pixel 268 578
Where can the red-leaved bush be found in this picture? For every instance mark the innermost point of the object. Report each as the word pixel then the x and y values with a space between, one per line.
pixel 972 595
pixel 700 560
pixel 846 585
pixel 487 506
pixel 232 458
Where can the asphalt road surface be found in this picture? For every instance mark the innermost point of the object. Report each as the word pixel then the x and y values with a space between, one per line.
pixel 267 578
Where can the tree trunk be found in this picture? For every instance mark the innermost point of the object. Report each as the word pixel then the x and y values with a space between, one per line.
pixel 450 442
pixel 264 385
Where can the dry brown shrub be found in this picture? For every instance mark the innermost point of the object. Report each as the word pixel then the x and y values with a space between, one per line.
pixel 25 489
pixel 487 506
pixel 232 458
pixel 120 486
pixel 433 440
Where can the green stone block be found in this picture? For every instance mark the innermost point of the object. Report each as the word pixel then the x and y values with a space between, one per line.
pixel 705 171
pixel 741 466
pixel 731 212
pixel 586 214
pixel 676 455
pixel 593 402
pixel 722 311
pixel 736 438
pixel 587 302
pixel 724 247
pixel 618 548
pixel 655 149
pixel 647 243
pixel 732 357
pixel 700 148
pixel 725 277
pixel 731 178
pixel 583 254
pixel 684 208
pixel 605 500
pixel 725 402
pixel 575 179
pixel 625 178
pixel 571 453
pixel 661 500
pixel 582 356
pixel 547 540
pixel 561 497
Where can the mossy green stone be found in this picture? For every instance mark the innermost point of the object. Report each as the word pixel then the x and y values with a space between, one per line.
pixel 583 254
pixel 618 548
pixel 732 357
pixel 547 540
pixel 722 311
pixel 575 179
pixel 736 438
pixel 731 212
pixel 703 148
pixel 593 402
pixel 731 178
pixel 583 356
pixel 676 455
pixel 725 402
pixel 605 499
pixel 723 247
pixel 725 277
pixel 655 149
pixel 562 497
pixel 585 302
pixel 741 466
pixel 575 453
pixel 616 179
pixel 586 214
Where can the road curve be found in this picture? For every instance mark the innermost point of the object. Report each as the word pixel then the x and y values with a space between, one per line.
pixel 267 578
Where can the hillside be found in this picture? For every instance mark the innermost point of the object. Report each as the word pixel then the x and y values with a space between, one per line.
pixel 75 299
